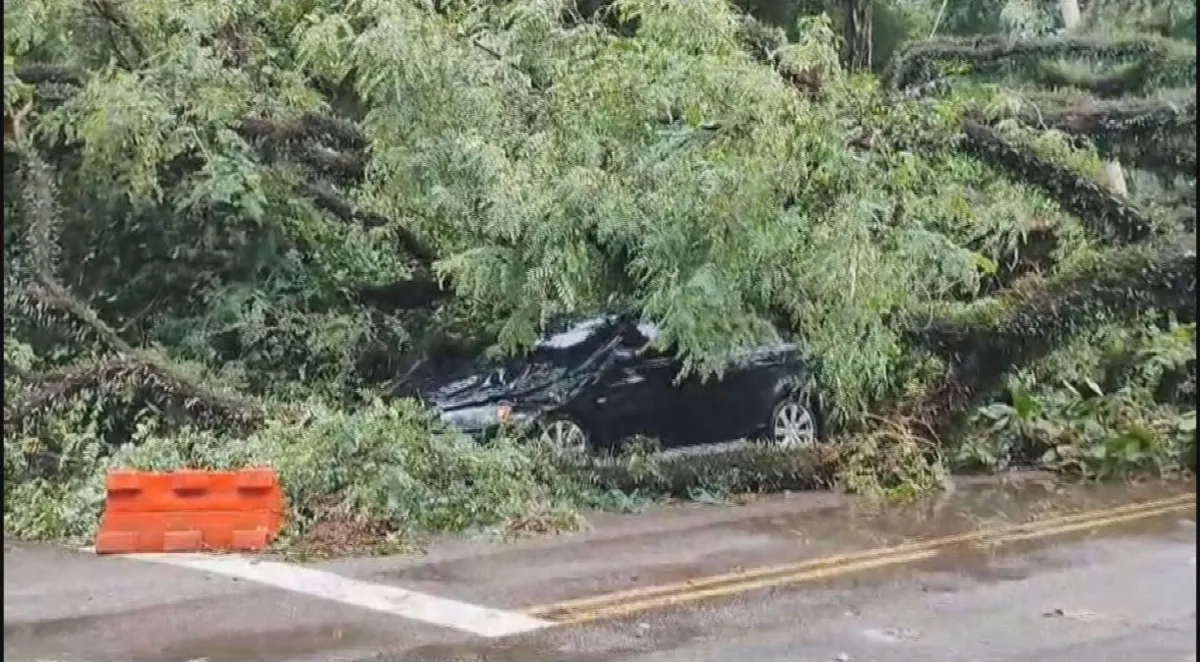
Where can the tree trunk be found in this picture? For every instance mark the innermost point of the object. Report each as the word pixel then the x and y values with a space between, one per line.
pixel 859 34
pixel 1113 171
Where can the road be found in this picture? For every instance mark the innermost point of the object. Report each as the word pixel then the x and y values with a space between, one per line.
pixel 1012 573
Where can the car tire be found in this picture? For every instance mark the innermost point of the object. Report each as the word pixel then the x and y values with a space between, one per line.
pixel 793 424
pixel 565 435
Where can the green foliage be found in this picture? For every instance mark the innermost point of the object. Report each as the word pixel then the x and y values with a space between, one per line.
pixel 1103 406
pixel 890 464
pixel 227 223
pixel 383 466
pixel 1036 133
pixel 578 169
pixel 640 472
pixel 1161 62
pixel 53 485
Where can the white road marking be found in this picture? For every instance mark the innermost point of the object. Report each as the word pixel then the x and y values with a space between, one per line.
pixel 393 600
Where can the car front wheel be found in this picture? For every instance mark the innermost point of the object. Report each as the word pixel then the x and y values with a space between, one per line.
pixel 565 435
pixel 793 424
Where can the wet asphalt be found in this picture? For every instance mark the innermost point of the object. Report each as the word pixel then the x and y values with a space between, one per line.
pixel 1125 591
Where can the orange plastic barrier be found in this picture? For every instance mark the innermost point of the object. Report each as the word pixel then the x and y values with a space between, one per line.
pixel 189 511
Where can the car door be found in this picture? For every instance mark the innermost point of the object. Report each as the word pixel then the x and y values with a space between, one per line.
pixel 637 395
pixel 720 406
pixel 732 405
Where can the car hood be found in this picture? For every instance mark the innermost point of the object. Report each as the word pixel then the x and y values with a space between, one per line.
pixel 535 386
pixel 527 385
pixel 463 389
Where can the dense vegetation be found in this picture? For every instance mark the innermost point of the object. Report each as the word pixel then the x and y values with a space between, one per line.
pixel 228 223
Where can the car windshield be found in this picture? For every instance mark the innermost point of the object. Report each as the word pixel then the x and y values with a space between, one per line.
pixel 505 374
pixel 571 339
pixel 565 342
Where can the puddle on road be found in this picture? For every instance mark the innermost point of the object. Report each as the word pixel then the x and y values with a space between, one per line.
pixel 971 508
pixel 983 507
pixel 802 526
pixel 612 641
pixel 514 652
pixel 828 530
pixel 263 646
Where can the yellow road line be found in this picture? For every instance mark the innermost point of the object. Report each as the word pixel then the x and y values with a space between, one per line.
pixel 1083 526
pixel 620 609
pixel 633 607
pixel 617 610
pixel 852 562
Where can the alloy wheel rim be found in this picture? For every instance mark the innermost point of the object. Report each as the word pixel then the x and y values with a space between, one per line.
pixel 794 426
pixel 566 436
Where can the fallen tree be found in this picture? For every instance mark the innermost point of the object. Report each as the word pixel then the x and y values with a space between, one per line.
pixel 1158 61
pixel 299 206
pixel 1040 315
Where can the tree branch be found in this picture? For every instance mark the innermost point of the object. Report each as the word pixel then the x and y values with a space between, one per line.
pixel 326 199
pixel 1157 134
pixel 115 16
pixel 914 62
pixel 1109 217
pixel 128 367
pixel 1042 315
pixel 47 392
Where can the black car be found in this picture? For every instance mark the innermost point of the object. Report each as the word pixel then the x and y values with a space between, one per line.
pixel 591 382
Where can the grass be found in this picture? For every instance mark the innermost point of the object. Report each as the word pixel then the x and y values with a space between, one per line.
pixel 381 478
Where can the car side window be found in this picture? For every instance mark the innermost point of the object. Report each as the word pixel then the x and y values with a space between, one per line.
pixel 639 337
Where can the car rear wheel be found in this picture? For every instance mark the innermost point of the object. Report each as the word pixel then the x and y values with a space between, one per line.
pixel 793 424
pixel 565 435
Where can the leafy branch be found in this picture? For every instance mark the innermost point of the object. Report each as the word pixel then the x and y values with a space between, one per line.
pixel 1109 216
pixel 1037 316
pixel 916 62
pixel 127 366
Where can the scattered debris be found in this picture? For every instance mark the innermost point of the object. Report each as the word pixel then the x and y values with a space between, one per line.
pixel 891 635
pixel 1072 615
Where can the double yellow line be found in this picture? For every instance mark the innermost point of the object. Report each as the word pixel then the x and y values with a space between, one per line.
pixel 624 603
